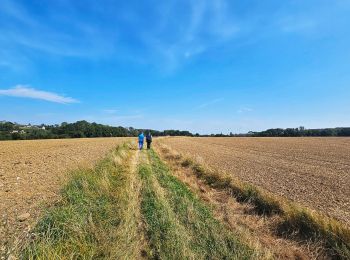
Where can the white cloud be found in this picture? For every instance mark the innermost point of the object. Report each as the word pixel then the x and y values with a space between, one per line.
pixel 209 103
pixel 27 92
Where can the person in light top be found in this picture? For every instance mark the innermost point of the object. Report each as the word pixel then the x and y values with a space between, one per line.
pixel 141 139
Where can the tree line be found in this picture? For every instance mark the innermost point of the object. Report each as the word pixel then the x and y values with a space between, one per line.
pixel 79 129
pixel 301 131
pixel 289 132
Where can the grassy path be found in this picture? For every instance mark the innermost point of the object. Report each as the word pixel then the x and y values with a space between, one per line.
pixel 130 206
pixel 179 225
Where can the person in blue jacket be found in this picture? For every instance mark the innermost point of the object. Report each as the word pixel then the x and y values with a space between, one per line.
pixel 141 138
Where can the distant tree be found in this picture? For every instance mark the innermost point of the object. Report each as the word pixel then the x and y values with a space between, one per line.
pixel 7 126
pixel 15 136
pixel 344 132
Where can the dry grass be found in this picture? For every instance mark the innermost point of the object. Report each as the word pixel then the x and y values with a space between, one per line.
pixel 111 212
pixel 296 221
pixel 98 216
pixel 255 230
pixel 31 175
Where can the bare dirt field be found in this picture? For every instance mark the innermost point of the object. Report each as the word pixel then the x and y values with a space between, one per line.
pixel 31 174
pixel 314 172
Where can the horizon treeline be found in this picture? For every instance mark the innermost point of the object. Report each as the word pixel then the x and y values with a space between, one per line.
pixel 84 129
pixel 79 129
pixel 301 131
pixel 292 132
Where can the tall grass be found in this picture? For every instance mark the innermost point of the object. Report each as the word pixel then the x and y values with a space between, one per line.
pixel 296 221
pixel 243 192
pixel 168 239
pixel 179 225
pixel 92 220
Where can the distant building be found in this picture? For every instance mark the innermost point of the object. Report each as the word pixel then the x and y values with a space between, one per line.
pixel 17 132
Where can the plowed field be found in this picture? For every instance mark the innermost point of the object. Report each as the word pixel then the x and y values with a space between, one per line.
pixel 314 172
pixel 31 174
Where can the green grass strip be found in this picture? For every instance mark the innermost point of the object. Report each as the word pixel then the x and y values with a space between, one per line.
pixel 167 238
pixel 206 238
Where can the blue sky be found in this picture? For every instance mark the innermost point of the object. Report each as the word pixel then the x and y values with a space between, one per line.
pixel 205 66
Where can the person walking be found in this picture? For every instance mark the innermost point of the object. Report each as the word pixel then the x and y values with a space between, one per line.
pixel 141 138
pixel 149 140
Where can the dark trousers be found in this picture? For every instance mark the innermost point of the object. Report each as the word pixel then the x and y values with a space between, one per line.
pixel 149 145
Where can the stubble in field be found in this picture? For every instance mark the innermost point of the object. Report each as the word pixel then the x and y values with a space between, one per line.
pixel 314 172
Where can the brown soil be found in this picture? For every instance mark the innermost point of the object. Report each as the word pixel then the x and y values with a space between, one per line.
pixel 31 174
pixel 258 231
pixel 314 172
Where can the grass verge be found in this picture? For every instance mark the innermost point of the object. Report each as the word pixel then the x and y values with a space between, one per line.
pixel 93 220
pixel 178 224
pixel 296 221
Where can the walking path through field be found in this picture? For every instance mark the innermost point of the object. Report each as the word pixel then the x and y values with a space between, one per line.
pixel 177 224
pixel 130 207
pixel 256 231
pixel 141 205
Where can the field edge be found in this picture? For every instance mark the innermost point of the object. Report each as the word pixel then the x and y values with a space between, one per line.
pixel 297 221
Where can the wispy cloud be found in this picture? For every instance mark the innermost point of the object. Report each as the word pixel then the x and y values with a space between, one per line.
pixel 244 110
pixel 176 32
pixel 293 24
pixel 25 30
pixel 93 34
pixel 207 25
pixel 209 103
pixel 28 92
